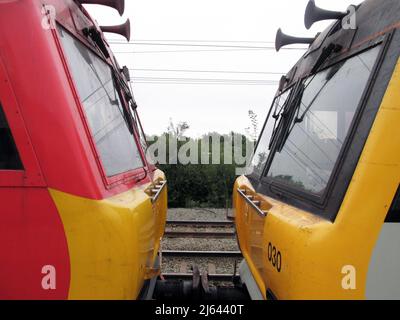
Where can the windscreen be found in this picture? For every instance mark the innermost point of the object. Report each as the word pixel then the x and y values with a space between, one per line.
pixel 103 108
pixel 321 124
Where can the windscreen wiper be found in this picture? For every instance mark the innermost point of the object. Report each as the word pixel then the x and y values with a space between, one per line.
pixel 125 111
pixel 96 37
pixel 330 75
pixel 285 117
pixel 293 113
pixel 294 106
pixel 326 53
pixel 98 41
pixel 277 116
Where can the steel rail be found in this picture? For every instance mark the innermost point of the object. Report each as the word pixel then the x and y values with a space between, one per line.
pixel 199 235
pixel 209 224
pixel 189 276
pixel 202 254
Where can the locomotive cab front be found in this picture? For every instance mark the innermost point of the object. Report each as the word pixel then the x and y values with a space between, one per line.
pixel 82 209
pixel 317 214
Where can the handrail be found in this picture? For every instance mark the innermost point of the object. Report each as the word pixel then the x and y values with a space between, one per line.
pixel 157 190
pixel 255 204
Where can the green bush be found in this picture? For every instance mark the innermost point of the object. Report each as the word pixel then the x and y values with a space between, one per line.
pixel 201 185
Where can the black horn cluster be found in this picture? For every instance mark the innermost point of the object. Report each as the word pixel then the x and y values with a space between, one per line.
pixel 118 5
pixel 122 29
pixel 313 14
pixel 284 40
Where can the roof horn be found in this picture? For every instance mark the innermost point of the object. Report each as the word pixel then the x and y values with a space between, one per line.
pixel 315 14
pixel 284 40
pixel 122 29
pixel 118 5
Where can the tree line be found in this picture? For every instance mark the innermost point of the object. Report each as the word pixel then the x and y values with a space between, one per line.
pixel 202 185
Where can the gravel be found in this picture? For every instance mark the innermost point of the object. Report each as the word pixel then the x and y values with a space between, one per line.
pixel 190 244
pixel 199 229
pixel 211 264
pixel 198 214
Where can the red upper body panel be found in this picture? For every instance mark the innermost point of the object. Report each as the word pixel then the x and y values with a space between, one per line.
pixel 62 153
pixel 44 113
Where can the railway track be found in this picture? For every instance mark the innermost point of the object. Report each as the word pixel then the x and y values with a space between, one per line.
pixel 189 276
pixel 202 257
pixel 199 235
pixel 190 243
pixel 197 224
pixel 192 229
pixel 202 254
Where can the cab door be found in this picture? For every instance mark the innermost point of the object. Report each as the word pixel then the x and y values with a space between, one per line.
pixel 31 234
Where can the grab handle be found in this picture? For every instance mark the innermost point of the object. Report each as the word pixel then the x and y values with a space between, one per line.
pixel 255 204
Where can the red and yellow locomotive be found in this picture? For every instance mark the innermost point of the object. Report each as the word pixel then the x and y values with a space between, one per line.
pixel 82 211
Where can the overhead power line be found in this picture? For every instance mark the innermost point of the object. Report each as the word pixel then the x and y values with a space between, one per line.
pixel 188 51
pixel 206 71
pixel 203 81
pixel 193 40
pixel 199 45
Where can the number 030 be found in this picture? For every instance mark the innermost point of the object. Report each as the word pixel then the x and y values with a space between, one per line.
pixel 274 257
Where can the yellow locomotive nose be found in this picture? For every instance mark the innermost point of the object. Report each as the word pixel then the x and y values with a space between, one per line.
pixel 113 243
pixel 317 216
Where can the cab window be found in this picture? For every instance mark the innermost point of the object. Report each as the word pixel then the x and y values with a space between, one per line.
pixel 102 105
pixel 320 124
pixel 9 157
pixel 394 212
pixel 262 150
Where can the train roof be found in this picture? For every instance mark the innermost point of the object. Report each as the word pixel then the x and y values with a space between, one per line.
pixel 374 19
pixel 71 15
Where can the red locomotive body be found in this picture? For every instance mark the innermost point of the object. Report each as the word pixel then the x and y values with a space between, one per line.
pixel 74 179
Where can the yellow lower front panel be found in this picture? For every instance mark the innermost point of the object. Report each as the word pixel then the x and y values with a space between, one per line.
pixel 112 243
pixel 298 255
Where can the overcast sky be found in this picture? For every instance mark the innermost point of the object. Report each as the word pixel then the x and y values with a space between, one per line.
pixel 230 27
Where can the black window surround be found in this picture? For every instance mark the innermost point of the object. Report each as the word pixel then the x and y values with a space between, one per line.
pixel 394 213
pixel 329 203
